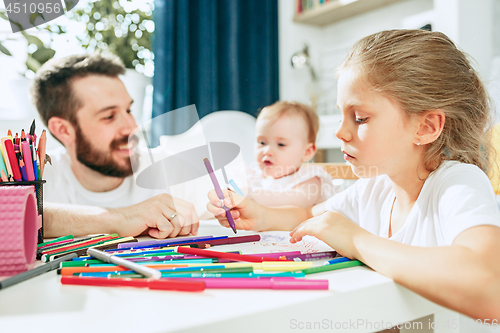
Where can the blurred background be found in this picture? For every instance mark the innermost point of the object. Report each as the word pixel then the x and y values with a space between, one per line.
pixel 232 54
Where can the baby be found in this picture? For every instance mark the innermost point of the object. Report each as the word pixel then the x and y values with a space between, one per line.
pixel 286 138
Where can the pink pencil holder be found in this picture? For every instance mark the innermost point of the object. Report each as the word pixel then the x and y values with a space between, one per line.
pixel 19 225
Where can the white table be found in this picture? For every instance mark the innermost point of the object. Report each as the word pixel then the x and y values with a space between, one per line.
pixel 357 297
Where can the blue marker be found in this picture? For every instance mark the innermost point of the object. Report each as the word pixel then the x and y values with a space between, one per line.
pixel 337 260
pixel 235 187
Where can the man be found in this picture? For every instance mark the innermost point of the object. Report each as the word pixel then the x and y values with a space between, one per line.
pixel 90 188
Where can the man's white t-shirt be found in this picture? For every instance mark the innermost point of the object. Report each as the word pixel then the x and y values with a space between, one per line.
pixel 63 187
pixel 455 197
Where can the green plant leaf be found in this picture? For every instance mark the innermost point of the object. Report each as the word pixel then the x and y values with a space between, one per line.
pixel 32 64
pixel 4 50
pixel 32 39
pixel 34 16
pixel 43 54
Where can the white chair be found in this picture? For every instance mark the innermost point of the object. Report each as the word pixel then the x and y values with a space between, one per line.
pixel 221 126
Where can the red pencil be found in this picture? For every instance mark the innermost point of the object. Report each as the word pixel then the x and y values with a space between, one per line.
pixel 224 255
pixel 163 284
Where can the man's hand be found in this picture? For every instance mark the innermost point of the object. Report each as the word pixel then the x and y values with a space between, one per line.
pixel 155 216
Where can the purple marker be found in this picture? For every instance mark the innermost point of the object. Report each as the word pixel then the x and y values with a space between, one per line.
pixel 219 193
pixel 163 242
pixel 312 256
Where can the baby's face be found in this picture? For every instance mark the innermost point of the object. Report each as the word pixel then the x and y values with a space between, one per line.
pixel 281 146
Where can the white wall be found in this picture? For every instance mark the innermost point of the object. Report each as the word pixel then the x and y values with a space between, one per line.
pixel 472 25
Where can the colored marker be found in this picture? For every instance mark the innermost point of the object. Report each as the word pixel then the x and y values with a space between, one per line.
pixel 35 167
pixel 167 242
pixel 223 255
pixel 2 164
pixel 9 148
pixel 337 260
pixel 229 240
pixel 28 161
pixel 5 158
pixel 166 272
pixel 332 267
pixel 272 283
pixel 219 193
pixel 35 272
pixel 51 242
pixel 235 187
pixel 144 270
pixel 165 284
pixel 112 243
pixel 311 256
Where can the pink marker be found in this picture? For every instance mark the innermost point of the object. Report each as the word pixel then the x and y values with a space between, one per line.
pixel 288 283
pixel 28 161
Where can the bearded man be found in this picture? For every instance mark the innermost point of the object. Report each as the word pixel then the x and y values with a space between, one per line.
pixel 90 187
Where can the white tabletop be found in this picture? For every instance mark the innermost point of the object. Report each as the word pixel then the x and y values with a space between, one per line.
pixel 359 300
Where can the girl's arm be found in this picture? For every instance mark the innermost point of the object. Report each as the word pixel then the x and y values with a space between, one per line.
pixel 303 195
pixel 464 277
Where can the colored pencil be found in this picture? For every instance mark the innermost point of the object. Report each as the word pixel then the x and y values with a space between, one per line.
pixel 41 152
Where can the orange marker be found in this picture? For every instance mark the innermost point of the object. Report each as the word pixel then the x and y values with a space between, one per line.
pixel 9 133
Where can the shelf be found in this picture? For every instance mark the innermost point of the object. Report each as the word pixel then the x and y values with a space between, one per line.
pixel 336 10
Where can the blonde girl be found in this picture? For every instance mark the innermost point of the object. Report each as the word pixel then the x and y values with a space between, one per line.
pixel 424 213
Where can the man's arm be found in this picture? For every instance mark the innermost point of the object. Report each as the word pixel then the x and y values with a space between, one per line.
pixel 152 215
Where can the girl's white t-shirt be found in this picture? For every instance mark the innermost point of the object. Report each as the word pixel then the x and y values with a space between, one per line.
pixel 455 197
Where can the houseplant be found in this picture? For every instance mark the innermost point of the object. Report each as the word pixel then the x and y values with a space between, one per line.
pixel 120 27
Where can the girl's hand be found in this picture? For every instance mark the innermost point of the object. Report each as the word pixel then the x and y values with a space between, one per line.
pixel 246 212
pixel 334 229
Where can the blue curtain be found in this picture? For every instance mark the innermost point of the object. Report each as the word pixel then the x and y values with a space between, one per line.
pixel 216 54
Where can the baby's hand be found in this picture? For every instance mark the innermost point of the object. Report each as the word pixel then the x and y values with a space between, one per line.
pixel 334 229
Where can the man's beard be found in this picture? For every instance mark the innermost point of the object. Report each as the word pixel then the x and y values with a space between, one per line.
pixel 103 162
